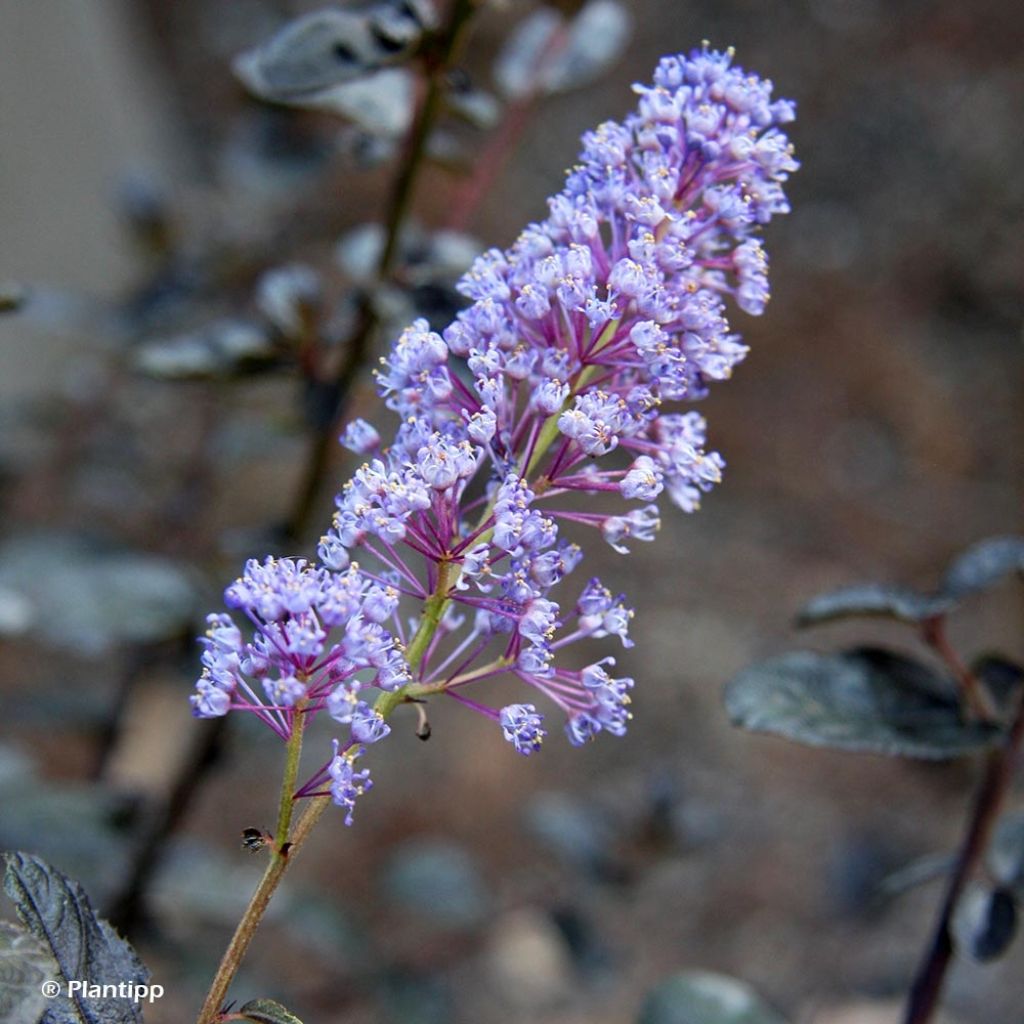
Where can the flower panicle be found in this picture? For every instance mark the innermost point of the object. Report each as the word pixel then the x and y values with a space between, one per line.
pixel 553 381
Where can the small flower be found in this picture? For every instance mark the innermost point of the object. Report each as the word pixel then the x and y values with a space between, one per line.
pixel 360 437
pixel 347 784
pixel 368 726
pixel 521 725
pixel 577 342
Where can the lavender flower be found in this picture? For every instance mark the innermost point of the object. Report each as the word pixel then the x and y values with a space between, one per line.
pixel 551 382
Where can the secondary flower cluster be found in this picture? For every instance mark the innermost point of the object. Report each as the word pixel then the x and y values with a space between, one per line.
pixel 551 382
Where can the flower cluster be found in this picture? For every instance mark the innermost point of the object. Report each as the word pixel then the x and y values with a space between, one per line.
pixel 552 381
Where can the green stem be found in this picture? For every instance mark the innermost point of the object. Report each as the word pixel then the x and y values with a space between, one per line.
pixel 448 574
pixel 288 784
pixel 549 432
pixel 282 853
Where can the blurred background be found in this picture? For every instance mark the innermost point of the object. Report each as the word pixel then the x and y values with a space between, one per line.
pixel 154 432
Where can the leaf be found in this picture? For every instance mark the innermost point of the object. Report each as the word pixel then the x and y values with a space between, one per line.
pixel 982 566
pixel 866 700
pixel 977 569
pixel 700 997
pixel 290 297
pixel 985 922
pixel 381 103
pixel 1002 678
pixel 266 1011
pixel 337 60
pixel 56 910
pixel 546 55
pixel 1005 855
pixel 475 106
pixel 870 599
pixel 223 348
pixel 24 966
pixel 323 49
pixel 929 868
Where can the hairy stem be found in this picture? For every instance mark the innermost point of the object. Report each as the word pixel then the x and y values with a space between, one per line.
pixel 233 955
pixel 931 973
pixel 289 782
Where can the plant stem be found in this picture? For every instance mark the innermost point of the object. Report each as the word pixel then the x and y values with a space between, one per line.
pixel 979 704
pixel 289 782
pixel 232 959
pixel 359 342
pixel 286 844
pixel 931 974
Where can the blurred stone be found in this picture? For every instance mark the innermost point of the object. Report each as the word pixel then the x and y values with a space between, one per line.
pixel 889 1012
pixel 154 738
pixel 196 882
pixel 528 960
pixel 437 879
pixel 570 830
pixel 15 766
pixel 89 596
pixel 325 929
pixel 77 828
pixel 16 612
pixel 416 999
pixel 700 997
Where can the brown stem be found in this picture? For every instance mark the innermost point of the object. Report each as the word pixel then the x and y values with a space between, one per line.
pixel 233 955
pixel 978 701
pixel 505 140
pixel 359 343
pixel 931 974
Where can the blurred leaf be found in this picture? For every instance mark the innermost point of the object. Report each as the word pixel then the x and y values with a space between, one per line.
pixel 982 566
pixel 924 869
pixel 88 596
pixel 870 599
pixel 381 103
pixel 985 922
pixel 12 296
pixel 56 910
pixel 332 46
pixel 266 1011
pixel 335 60
pixel 223 348
pixel 1002 677
pixel 1005 855
pixel 866 700
pixel 978 568
pixel 534 60
pixel 24 966
pixel 700 997
pixel 358 252
pixel 475 106
pixel 289 297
